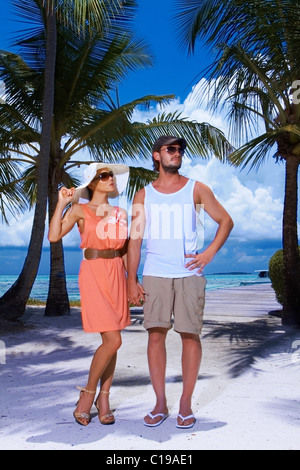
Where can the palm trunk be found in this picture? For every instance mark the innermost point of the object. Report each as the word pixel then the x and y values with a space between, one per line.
pixel 291 259
pixel 13 303
pixel 58 300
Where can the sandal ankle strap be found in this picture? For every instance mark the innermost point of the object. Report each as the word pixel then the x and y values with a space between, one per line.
pixel 85 390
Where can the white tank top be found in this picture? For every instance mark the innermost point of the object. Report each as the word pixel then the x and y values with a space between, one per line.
pixel 170 232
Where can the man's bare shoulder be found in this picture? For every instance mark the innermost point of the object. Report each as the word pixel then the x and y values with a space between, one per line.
pixel 201 191
pixel 201 186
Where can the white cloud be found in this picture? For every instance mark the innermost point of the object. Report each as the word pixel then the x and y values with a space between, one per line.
pixel 190 108
pixel 256 213
pixel 18 232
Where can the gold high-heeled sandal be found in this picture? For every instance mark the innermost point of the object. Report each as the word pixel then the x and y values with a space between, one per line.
pixel 83 418
pixel 103 419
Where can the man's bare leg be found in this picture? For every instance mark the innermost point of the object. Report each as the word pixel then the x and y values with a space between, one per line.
pixel 191 361
pixel 157 359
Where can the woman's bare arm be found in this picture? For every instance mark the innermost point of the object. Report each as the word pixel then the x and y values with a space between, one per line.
pixel 59 225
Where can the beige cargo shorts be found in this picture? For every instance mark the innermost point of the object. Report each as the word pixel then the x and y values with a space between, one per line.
pixel 181 298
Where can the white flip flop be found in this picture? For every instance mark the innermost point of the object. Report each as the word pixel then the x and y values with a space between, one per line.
pixel 163 417
pixel 185 418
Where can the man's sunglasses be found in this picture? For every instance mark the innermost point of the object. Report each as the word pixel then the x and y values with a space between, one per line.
pixel 104 176
pixel 172 150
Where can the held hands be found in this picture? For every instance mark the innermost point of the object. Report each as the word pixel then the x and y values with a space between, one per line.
pixel 136 293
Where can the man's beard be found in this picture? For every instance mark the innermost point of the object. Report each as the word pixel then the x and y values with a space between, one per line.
pixel 171 169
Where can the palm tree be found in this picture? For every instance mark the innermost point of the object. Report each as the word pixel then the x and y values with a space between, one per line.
pixel 13 303
pixel 89 67
pixel 44 14
pixel 255 74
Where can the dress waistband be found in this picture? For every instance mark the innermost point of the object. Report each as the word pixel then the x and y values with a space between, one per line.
pixel 91 253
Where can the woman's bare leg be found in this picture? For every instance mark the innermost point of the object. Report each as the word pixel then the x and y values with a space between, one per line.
pixel 102 368
pixel 105 385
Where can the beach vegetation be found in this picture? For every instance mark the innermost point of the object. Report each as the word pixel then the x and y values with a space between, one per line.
pixel 41 303
pixel 254 77
pixel 276 275
pixel 62 110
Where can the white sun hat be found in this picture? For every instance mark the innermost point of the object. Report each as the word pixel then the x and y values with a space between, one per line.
pixel 121 175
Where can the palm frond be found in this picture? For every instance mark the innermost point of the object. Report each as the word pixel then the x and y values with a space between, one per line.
pixel 255 152
pixel 139 177
pixel 258 24
pixel 204 140
pixel 100 15
pixel 98 66
pixel 109 134
pixel 22 85
pixel 12 198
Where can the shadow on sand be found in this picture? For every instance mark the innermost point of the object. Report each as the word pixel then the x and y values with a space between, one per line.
pixel 251 340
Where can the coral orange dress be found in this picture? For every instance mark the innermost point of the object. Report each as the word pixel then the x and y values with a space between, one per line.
pixel 102 282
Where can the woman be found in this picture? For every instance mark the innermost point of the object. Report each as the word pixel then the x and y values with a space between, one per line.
pixel 102 281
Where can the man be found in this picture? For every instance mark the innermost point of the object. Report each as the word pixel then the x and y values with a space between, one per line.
pixel 173 281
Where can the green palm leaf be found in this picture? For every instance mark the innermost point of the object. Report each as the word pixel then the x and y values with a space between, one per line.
pixel 139 177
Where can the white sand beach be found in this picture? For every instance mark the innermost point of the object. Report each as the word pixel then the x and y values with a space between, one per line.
pixel 247 395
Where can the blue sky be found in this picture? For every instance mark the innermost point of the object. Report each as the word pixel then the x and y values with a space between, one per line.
pixel 255 199
pixel 174 70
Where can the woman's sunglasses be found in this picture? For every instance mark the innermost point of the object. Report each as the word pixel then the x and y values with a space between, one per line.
pixel 104 176
pixel 172 150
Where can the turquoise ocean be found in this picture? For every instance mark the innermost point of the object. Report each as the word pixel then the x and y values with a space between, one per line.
pixel 214 281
